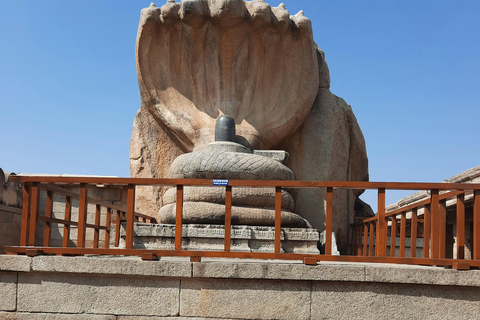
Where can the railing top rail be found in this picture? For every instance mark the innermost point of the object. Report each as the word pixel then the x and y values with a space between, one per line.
pixel 249 183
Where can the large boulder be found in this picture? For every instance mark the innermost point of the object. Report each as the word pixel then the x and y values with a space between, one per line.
pixel 197 60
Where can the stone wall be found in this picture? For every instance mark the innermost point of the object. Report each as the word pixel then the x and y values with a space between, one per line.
pixel 50 287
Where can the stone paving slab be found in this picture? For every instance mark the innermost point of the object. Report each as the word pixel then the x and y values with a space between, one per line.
pixel 53 316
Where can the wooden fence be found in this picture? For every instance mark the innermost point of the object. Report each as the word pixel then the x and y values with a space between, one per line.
pixel 368 240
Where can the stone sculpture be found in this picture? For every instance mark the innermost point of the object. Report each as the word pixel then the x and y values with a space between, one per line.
pixel 197 60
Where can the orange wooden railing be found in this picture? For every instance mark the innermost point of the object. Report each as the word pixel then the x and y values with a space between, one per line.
pixel 368 241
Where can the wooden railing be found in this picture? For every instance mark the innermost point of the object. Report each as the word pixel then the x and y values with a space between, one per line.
pixel 368 241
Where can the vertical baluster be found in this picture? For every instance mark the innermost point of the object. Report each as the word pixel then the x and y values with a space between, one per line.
pixel 434 203
pixel 381 239
pixel 426 231
pixel 130 216
pixel 178 218
pixel 352 240
pixel 365 239
pixel 82 216
pixel 96 232
pixel 442 221
pixel 278 218
pixel 370 244
pixel 359 240
pixel 33 214
pixel 109 225
pixel 461 226
pixel 393 237
pixel 66 226
pixel 328 222
pixel 27 191
pixel 403 227
pixel 228 218
pixel 476 225
pixel 48 224
pixel 118 224
pixel 413 234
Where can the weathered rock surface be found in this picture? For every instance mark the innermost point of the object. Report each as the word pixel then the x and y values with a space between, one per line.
pixel 259 65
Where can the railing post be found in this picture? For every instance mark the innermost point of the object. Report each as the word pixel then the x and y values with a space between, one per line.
pixel 118 223
pixel 461 226
pixel 228 217
pixel 328 222
pixel 96 232
pixel 48 224
pixel 442 227
pixel 27 191
pixel 393 236
pixel 178 218
pixel 371 235
pixel 278 218
pixel 426 231
pixel 107 230
pixel 403 227
pixel 82 216
pixel 413 234
pixel 476 225
pixel 365 240
pixel 33 214
pixel 381 241
pixel 66 226
pixel 434 203
pixel 130 216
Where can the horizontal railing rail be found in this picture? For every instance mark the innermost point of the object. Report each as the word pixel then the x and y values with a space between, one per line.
pixel 368 238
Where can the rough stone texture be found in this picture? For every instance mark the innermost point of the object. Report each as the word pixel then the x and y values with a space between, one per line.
pixel 257 197
pixel 15 263
pixel 421 275
pixel 212 213
pixel 239 58
pixel 112 265
pixel 218 288
pixel 89 293
pixel 279 271
pixel 235 299
pixel 211 237
pixel 53 316
pixel 336 300
pixel 8 289
pixel 294 110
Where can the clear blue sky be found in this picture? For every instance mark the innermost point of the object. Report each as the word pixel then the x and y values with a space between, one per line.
pixel 410 70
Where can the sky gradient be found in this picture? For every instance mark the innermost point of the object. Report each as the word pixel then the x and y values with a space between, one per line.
pixel 409 69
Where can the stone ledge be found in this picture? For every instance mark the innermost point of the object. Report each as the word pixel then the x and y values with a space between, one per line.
pixel 53 316
pixel 243 269
pixel 15 263
pixel 112 265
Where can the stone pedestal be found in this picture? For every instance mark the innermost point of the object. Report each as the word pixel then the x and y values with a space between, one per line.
pixel 211 237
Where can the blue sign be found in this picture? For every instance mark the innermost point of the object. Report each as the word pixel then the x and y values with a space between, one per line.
pixel 220 182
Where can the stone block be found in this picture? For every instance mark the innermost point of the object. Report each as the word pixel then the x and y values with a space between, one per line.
pixel 8 289
pixel 376 300
pixel 129 266
pixel 279 271
pixel 245 299
pixel 52 316
pixel 211 237
pixel 15 263
pixel 421 275
pixel 97 294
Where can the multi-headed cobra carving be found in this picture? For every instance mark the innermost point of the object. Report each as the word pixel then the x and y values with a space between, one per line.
pixel 198 59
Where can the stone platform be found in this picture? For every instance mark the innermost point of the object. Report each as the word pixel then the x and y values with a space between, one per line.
pixel 127 288
pixel 211 237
